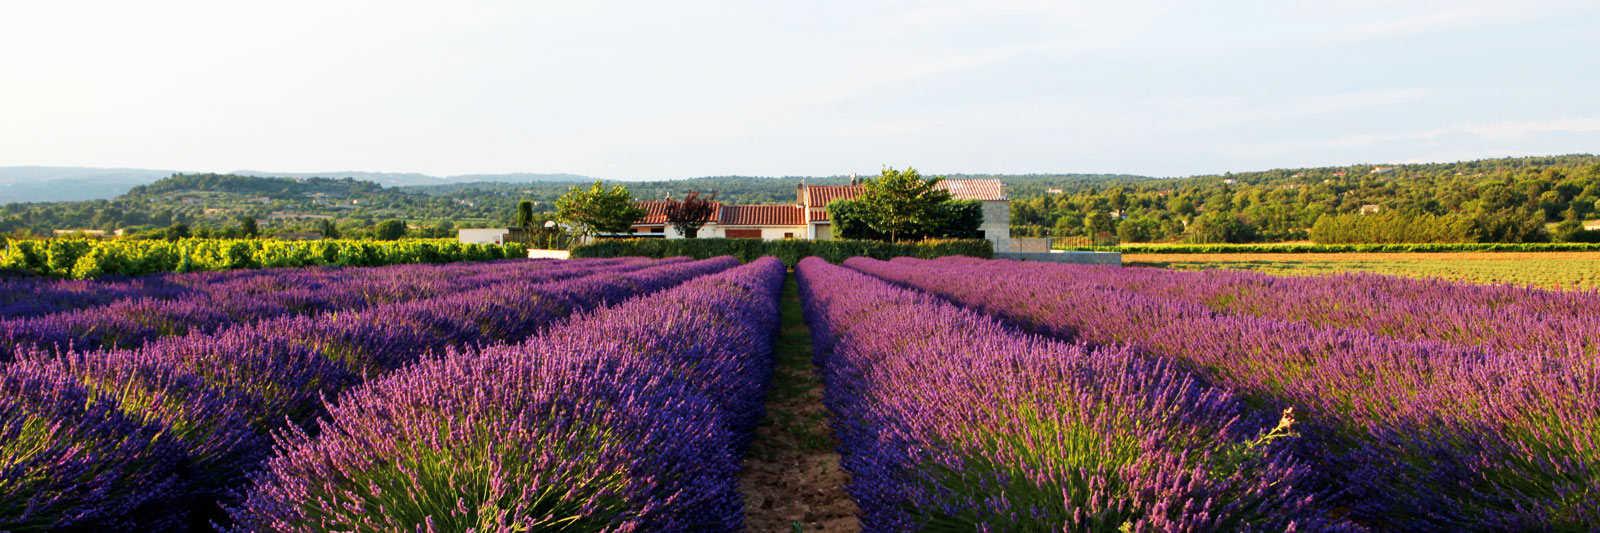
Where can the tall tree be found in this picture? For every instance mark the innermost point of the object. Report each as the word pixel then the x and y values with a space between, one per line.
pixel 900 202
pixel 598 209
pixel 389 230
pixel 525 215
pixel 328 229
pixel 689 215
pixel 248 228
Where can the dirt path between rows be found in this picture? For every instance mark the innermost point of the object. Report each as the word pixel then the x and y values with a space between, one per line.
pixel 792 480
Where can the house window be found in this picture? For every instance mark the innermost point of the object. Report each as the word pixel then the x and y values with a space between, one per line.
pixel 742 233
pixel 658 230
pixel 788 235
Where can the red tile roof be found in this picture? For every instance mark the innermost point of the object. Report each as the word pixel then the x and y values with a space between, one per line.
pixel 761 215
pixel 985 190
pixel 820 195
pixel 817 197
pixel 655 211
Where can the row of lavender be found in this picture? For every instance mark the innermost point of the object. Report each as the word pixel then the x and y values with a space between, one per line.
pixel 950 420
pixel 1550 323
pixel 1405 426
pixel 23 297
pixel 629 419
pixel 133 321
pixel 154 437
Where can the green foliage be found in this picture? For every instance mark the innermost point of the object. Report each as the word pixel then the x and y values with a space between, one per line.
pixel 255 185
pixel 83 259
pixel 1390 227
pixel 1495 200
pixel 790 251
pixel 328 229
pixel 598 209
pixel 248 228
pixel 524 215
pixel 956 219
pixel 849 219
pixel 1139 229
pixel 389 230
pixel 900 205
pixel 1219 227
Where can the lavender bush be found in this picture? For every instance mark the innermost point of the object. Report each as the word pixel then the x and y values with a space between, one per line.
pixel 211 400
pixel 950 420
pixel 1413 434
pixel 627 419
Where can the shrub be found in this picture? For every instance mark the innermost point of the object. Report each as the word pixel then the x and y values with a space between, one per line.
pixel 85 259
pixel 788 251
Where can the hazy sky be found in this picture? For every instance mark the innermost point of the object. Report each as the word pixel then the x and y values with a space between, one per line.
pixel 686 88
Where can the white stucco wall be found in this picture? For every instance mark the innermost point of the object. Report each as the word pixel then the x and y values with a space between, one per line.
pixel 482 235
pixel 997 224
pixel 769 233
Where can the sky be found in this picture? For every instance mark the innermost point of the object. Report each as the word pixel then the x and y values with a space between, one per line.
pixel 649 90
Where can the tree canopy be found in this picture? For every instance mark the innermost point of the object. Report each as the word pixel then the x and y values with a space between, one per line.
pixel 900 205
pixel 598 209
pixel 689 215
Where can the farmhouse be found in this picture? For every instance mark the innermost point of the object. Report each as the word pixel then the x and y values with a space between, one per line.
pixel 807 218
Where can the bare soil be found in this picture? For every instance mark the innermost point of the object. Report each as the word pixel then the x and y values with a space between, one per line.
pixel 792 480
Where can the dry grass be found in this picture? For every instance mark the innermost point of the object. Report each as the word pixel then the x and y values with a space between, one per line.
pixel 1564 270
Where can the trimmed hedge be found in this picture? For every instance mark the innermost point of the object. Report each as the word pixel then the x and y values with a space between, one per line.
pixel 790 251
pixel 83 259
pixel 1298 248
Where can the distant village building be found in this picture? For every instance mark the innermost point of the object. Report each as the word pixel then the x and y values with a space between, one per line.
pixel 807 218
pixel 1370 209
pixel 79 232
pixel 491 235
pixel 1382 170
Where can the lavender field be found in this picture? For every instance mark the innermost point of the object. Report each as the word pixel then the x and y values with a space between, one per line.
pixel 960 395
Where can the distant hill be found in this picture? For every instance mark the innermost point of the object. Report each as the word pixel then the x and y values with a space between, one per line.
pixel 59 184
pixel 413 179
pixel 64 184
pixel 280 188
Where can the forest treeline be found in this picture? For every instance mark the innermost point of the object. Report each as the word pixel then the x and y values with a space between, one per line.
pixel 1528 199
pixel 1525 199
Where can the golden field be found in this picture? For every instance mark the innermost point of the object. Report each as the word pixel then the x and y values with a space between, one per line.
pixel 1563 270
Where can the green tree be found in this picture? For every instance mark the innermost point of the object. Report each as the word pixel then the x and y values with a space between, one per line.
pixel 177 231
pixel 389 230
pixel 901 203
pixel 1138 229
pixel 689 215
pixel 1100 226
pixel 248 228
pixel 598 209
pixel 849 220
pixel 1217 227
pixel 327 229
pixel 525 215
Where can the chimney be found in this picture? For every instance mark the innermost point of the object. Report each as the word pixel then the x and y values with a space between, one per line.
pixel 853 178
